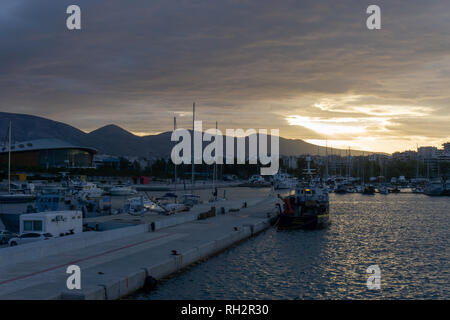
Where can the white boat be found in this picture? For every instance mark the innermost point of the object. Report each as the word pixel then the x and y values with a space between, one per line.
pixel 16 198
pixel 284 181
pixel 434 188
pixel 122 191
pixel 417 190
pixel 90 191
pixel 383 189
pixel 140 205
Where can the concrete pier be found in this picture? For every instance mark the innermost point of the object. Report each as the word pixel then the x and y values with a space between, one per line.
pixel 119 263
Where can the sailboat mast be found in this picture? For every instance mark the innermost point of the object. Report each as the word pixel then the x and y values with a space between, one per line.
pixel 9 160
pixel 192 148
pixel 326 159
pixel 175 166
pixel 215 162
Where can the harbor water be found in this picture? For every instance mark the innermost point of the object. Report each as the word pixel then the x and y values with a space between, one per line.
pixel 405 234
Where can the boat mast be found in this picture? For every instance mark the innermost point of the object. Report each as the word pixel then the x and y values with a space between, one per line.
pixel 175 166
pixel 192 148
pixel 215 163
pixel 417 162
pixel 9 159
pixel 326 159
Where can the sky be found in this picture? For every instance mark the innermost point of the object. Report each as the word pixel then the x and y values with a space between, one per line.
pixel 311 69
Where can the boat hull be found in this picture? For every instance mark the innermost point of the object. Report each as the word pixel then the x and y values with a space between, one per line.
pixel 16 198
pixel 286 222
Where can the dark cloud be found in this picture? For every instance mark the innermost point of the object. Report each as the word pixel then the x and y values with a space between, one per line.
pixel 246 63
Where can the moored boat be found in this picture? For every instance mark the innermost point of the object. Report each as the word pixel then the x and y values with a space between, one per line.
pixel 308 208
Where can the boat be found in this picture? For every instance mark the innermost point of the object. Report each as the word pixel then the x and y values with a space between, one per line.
pixel 87 190
pixel 307 208
pixel 341 189
pixel 446 191
pixel 350 189
pixel 434 188
pixel 369 190
pixel 283 181
pixel 16 198
pixel 383 189
pixel 417 190
pixel 122 191
pixel 256 181
pixel 394 190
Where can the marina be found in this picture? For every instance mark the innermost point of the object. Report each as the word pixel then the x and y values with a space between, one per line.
pixel 209 152
pixel 144 237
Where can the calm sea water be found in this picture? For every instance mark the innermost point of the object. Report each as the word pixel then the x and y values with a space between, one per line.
pixel 406 235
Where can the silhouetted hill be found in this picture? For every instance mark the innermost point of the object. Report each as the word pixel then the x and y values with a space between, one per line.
pixel 114 140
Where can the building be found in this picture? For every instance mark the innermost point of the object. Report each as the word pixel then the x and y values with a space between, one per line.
pixel 290 161
pixel 446 147
pixel 405 155
pixel 427 152
pixel 103 160
pixel 47 153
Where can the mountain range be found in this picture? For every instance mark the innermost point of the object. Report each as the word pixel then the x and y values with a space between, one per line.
pixel 114 140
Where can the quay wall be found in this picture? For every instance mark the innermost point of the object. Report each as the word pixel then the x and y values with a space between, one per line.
pixel 123 286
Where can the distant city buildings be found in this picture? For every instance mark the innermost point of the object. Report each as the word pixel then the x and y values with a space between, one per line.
pixel 290 162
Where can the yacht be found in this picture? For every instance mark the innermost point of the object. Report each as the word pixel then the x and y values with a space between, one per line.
pixel 434 188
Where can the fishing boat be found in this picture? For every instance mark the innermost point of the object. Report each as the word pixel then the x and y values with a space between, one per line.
pixel 307 208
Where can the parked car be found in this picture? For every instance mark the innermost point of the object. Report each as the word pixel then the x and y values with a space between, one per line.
pixel 28 237
pixel 5 235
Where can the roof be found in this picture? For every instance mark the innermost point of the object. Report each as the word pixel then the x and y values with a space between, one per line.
pixel 50 214
pixel 43 144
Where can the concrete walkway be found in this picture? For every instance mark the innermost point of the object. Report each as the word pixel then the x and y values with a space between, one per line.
pixel 113 269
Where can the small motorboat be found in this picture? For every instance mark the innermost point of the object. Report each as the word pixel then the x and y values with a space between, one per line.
pixel 369 190
pixel 383 190
pixel 394 190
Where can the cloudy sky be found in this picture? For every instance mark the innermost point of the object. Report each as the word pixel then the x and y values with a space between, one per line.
pixel 310 68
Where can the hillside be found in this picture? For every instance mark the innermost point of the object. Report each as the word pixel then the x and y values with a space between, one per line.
pixel 114 140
